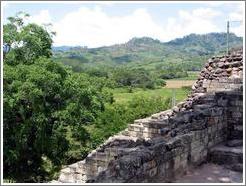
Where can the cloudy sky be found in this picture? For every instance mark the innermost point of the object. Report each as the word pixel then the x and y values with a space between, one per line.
pixel 106 23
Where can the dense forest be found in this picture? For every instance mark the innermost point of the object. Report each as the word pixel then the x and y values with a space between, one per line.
pixel 60 103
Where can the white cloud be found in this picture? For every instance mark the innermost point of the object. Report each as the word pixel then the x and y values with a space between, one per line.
pixel 238 15
pixel 198 21
pixel 43 17
pixel 93 27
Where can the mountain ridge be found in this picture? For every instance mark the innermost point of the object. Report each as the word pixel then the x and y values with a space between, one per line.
pixel 149 53
pixel 150 40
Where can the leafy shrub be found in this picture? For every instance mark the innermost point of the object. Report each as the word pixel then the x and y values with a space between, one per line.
pixel 116 117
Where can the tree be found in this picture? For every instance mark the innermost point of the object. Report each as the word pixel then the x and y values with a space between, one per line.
pixel 27 41
pixel 46 106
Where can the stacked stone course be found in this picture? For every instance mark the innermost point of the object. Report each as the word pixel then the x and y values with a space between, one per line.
pixel 164 145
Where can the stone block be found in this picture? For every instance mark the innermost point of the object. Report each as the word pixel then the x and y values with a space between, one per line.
pixel 67 178
pixel 152 172
pixel 149 165
pixel 177 163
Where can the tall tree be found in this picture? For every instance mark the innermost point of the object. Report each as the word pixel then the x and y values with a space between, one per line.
pixel 27 41
pixel 45 104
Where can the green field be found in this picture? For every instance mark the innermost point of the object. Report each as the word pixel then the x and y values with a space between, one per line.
pixel 121 95
pixel 192 75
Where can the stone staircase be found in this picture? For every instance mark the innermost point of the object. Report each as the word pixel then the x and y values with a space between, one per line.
pixel 229 154
pixel 154 126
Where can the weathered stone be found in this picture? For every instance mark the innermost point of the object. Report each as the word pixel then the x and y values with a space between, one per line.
pixel 176 109
pixel 235 167
pixel 234 143
pixel 164 131
pixel 210 68
pixel 236 64
pixel 226 155
pixel 221 64
pixel 218 71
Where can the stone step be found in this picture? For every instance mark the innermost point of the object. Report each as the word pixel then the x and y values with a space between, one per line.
pixel 151 128
pixel 72 178
pixel 228 156
pixel 158 124
pixel 102 156
pixel 234 143
pixel 95 159
pixel 135 127
pixel 162 115
pixel 125 132
pixel 238 167
pixel 236 133
pixel 114 152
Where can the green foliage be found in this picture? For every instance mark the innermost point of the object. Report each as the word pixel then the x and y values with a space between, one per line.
pixel 160 83
pixel 186 88
pixel 211 43
pixel 41 101
pixel 122 95
pixel 46 107
pixel 27 41
pixel 134 78
pixel 116 117
pixel 188 53
pixel 172 72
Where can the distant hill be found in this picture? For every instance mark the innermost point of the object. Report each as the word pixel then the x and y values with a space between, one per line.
pixel 150 53
pixel 205 44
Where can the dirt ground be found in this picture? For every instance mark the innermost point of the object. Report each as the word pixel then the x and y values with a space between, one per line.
pixel 210 173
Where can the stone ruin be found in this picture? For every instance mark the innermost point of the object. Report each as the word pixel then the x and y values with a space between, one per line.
pixel 207 126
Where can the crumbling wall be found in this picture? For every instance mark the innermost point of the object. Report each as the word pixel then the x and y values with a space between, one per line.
pixel 164 145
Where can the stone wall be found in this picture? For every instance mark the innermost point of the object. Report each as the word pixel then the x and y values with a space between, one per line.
pixel 164 145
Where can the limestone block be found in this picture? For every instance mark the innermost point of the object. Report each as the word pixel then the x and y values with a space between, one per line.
pixel 142 121
pixel 151 130
pixel 136 128
pixel 66 178
pixel 67 170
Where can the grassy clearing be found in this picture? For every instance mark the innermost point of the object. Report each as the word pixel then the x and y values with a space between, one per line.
pixel 121 95
pixel 179 83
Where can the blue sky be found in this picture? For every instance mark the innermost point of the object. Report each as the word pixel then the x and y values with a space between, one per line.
pixel 97 24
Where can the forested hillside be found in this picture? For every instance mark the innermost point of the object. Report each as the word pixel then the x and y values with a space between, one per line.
pixel 174 59
pixel 149 53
